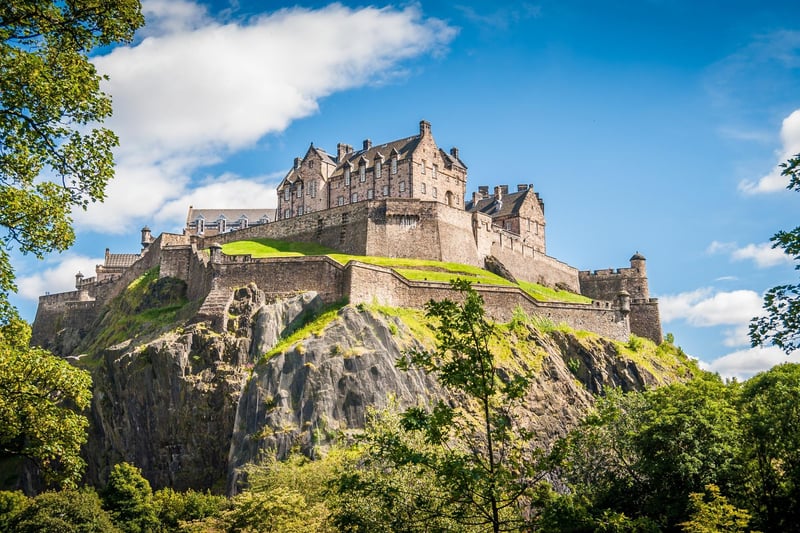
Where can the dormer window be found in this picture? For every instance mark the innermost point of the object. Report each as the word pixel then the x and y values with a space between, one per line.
pixel 299 190
pixel 347 175
pixel 222 225
pixel 201 225
pixel 362 172
pixel 394 166
pixel 243 222
pixel 287 194
pixel 378 168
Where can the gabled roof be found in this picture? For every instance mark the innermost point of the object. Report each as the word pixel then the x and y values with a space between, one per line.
pixel 403 147
pixel 449 158
pixel 510 204
pixel 120 260
pixel 252 215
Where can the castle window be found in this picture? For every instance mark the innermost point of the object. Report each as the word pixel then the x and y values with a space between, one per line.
pixel 313 189
pixel 435 192
pixel 243 222
pixel 287 193
pixel 354 198
pixel 222 225
pixel 433 171
pixel 386 190
pixel 299 190
pixel 300 210
pixel 362 172
pixel 507 225
pixel 347 175
pixel 370 194
pixel 287 213
pixel 422 170
pixel 536 228
pixel 402 186
pixel 378 169
pixel 340 200
pixel 422 187
pixel 201 225
pixel 394 166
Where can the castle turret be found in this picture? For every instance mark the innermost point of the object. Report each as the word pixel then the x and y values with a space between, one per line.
pixel 147 238
pixel 78 279
pixel 639 266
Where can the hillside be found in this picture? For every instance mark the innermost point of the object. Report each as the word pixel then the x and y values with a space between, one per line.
pixel 190 394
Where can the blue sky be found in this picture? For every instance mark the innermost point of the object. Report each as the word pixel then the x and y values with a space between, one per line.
pixel 651 126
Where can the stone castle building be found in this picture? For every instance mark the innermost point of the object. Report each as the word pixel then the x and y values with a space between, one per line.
pixel 404 199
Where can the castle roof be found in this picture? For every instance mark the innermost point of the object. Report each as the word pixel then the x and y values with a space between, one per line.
pixel 509 205
pixel 252 215
pixel 404 147
pixel 120 260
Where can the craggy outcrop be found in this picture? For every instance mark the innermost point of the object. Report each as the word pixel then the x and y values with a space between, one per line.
pixel 199 399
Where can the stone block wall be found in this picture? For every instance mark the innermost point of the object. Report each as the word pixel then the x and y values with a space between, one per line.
pixel 646 320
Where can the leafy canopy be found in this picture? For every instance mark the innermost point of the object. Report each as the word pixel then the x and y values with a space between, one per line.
pixel 39 396
pixel 53 155
pixel 781 323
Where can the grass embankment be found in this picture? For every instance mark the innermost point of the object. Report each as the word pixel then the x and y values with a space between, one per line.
pixel 411 269
pixel 147 305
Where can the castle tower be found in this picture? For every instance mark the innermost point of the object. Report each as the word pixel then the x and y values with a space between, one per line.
pixel 637 284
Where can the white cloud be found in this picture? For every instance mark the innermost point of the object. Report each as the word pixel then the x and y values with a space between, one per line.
pixel 224 192
pixel 705 307
pixel 774 181
pixel 58 278
pixel 763 254
pixel 743 364
pixel 195 89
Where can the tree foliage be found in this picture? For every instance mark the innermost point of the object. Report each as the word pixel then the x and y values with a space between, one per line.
pixel 129 498
pixel 53 155
pixel 780 325
pixel 484 461
pixel 41 397
pixel 68 511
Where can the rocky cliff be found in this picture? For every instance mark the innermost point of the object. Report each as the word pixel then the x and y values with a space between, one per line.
pixel 189 392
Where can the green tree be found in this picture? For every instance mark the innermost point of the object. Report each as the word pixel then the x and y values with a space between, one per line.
pixel 485 463
pixel 53 155
pixel 68 511
pixel 781 323
pixel 41 397
pixel 771 421
pixel 129 499
pixel 175 508
pixel 711 513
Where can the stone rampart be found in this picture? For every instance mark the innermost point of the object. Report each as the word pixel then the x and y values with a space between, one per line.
pixel 646 320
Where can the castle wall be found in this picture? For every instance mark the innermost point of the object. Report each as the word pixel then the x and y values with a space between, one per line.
pixel 372 284
pixel 645 320
pixel 607 284
pixel 528 265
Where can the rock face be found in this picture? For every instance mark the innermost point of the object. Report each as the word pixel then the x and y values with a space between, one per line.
pixel 191 404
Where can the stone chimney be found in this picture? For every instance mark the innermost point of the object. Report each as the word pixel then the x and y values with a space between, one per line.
pixel 521 187
pixel 504 189
pixel 367 144
pixel 454 152
pixel 341 151
pixel 483 190
pixel 296 162
pixel 424 128
pixel 476 197
pixel 498 193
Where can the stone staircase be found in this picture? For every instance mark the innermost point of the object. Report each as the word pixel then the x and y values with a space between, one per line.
pixel 215 308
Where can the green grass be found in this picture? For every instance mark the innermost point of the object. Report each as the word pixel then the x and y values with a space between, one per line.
pixel 411 269
pixel 314 324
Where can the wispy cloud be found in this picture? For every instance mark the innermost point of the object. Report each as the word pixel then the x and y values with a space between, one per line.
pixel 501 18
pixel 706 307
pixel 743 364
pixel 773 181
pixel 59 277
pixel 194 90
pixel 763 254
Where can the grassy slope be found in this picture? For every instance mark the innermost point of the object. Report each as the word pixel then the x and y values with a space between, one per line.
pixel 412 269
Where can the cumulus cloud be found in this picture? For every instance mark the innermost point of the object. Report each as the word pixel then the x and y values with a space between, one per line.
pixel 58 278
pixel 743 364
pixel 763 254
pixel 706 307
pixel 774 181
pixel 194 89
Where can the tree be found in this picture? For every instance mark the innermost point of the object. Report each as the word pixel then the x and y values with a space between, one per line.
pixel 781 323
pixel 770 405
pixel 41 397
pixel 53 157
pixel 68 511
pixel 711 513
pixel 129 498
pixel 484 462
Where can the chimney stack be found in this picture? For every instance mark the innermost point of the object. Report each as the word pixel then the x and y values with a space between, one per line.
pixel 367 144
pixel 483 190
pixel 521 187
pixel 424 128
pixel 341 151
pixel 296 162
pixel 454 152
